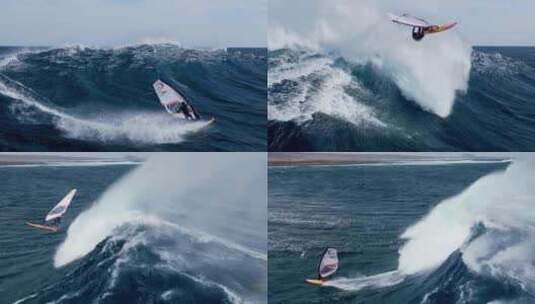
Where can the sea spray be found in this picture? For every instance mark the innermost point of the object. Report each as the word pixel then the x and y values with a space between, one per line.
pixel 503 204
pixel 203 193
pixel 491 224
pixel 430 72
pixel 87 98
pixel 136 127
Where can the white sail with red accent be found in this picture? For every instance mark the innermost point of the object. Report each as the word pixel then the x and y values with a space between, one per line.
pixel 173 102
pixel 60 209
pixel 329 263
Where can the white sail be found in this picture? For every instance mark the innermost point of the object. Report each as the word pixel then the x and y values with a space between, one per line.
pixel 60 209
pixel 329 263
pixel 169 98
pixel 408 20
pixel 173 102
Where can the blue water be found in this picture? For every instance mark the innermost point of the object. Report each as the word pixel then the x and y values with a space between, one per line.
pixel 362 211
pixel 314 108
pixel 27 194
pixel 140 261
pixel 87 99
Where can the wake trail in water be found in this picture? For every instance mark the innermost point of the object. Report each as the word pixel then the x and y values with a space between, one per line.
pixel 381 280
pixel 141 127
pixel 133 199
pixel 80 98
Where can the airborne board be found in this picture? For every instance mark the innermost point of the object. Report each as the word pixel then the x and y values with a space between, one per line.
pixel 441 28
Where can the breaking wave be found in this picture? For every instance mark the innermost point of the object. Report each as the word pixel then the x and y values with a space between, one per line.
pixel 162 234
pixel 347 79
pixel 475 247
pixel 74 97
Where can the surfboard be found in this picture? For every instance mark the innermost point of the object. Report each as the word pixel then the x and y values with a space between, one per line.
pixel 327 267
pixel 315 282
pixel 441 28
pixel 44 227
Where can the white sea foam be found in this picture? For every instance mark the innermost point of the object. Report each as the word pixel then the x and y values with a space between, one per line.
pixel 430 72
pixel 200 191
pixel 501 202
pixel 136 127
pixel 321 88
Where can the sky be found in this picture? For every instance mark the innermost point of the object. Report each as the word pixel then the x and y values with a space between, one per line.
pixel 481 22
pixel 191 23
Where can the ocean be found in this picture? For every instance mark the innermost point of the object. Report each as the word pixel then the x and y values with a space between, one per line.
pixel 411 233
pixel 79 98
pixel 411 99
pixel 136 233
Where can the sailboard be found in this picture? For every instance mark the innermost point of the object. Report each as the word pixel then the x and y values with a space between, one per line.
pixel 54 216
pixel 327 267
pixel 175 103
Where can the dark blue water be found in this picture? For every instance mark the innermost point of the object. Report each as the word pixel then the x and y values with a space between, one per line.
pixel 145 261
pixel 85 99
pixel 27 194
pixel 325 103
pixel 362 211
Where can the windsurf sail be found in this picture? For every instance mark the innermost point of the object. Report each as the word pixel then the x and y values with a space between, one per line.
pixel 59 210
pixel 409 20
pixel 328 264
pixel 174 102
pixel 412 21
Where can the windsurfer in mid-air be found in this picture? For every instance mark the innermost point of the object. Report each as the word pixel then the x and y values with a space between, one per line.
pixel 420 27
pixel 418 33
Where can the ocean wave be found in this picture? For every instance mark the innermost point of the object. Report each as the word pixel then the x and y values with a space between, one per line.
pixel 313 94
pixel 138 128
pixel 430 73
pixel 469 246
pixel 162 234
pixel 102 98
